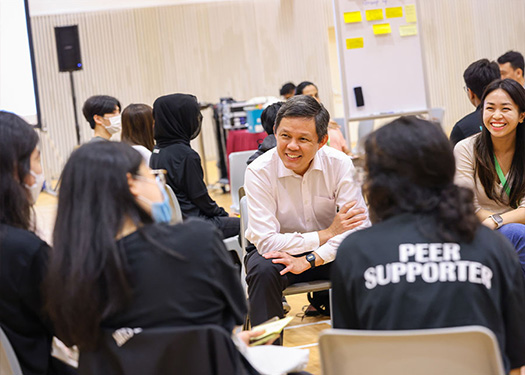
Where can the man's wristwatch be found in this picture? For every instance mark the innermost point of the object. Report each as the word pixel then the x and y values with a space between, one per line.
pixel 311 259
pixel 497 219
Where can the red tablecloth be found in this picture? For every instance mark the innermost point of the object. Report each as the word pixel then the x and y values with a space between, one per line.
pixel 242 140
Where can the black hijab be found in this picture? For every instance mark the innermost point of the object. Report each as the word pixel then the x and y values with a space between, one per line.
pixel 177 119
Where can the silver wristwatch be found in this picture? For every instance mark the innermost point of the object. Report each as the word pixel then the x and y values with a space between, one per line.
pixel 497 219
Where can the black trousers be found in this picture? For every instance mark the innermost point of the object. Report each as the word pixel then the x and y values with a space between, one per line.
pixel 229 226
pixel 266 285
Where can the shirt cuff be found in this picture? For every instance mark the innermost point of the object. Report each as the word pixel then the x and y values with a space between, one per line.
pixel 311 241
pixel 326 253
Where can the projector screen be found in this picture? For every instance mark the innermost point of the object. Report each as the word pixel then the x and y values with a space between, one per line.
pixel 18 89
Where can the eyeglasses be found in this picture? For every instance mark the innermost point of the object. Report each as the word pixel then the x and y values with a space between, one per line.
pixel 160 176
pixel 466 89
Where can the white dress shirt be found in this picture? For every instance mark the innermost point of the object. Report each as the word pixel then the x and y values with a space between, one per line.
pixel 285 210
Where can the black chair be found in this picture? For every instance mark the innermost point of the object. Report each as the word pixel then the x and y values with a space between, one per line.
pixel 203 350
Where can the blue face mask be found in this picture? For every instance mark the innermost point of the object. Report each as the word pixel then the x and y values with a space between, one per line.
pixel 160 211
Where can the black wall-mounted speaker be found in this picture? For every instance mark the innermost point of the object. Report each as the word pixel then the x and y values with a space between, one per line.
pixel 68 48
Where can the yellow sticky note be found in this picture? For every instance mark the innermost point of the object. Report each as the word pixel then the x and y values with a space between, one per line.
pixel 382 28
pixel 407 30
pixel 410 12
pixel 374 14
pixel 354 43
pixel 394 12
pixel 352 17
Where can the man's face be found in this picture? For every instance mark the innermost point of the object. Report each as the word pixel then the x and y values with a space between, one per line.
pixel 297 143
pixel 105 120
pixel 507 71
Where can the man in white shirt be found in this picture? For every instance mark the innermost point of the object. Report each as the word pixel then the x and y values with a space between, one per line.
pixel 302 202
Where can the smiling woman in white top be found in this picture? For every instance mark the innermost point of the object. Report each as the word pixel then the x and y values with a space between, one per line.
pixel 492 163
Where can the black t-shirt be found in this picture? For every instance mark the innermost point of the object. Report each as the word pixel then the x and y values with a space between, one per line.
pixel 22 266
pixel 203 288
pixel 469 125
pixel 392 276
pixel 186 178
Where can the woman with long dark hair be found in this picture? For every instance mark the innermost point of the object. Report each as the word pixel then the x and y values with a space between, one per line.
pixel 22 253
pixel 426 262
pixel 115 264
pixel 137 129
pixel 492 163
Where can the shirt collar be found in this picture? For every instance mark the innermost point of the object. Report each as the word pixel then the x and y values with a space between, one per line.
pixel 282 171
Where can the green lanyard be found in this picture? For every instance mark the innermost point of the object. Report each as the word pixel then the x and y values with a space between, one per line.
pixel 501 176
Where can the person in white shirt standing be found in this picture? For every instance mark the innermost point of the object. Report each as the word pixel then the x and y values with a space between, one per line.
pixel 302 202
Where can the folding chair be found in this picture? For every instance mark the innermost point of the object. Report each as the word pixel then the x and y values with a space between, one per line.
pixel 8 362
pixel 450 351
pixel 176 215
pixel 237 168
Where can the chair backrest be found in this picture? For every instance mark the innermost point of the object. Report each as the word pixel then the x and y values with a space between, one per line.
pixel 451 351
pixel 176 214
pixel 8 362
pixel 206 349
pixel 436 114
pixel 341 122
pixel 244 223
pixel 243 205
pixel 364 128
pixel 237 169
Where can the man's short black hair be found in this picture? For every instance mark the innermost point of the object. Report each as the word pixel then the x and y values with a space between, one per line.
pixel 514 58
pixel 479 74
pixel 302 106
pixel 99 105
pixel 288 88
pixel 268 116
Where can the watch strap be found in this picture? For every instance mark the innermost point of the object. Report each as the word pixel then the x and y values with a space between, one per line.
pixel 311 259
pixel 497 219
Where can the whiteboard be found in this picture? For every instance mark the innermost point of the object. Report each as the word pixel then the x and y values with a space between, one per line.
pixel 380 51
pixel 18 92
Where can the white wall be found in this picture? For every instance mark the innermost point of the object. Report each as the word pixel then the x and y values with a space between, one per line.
pixel 239 49
pixel 242 48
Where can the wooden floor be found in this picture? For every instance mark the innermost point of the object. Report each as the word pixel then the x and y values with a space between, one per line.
pixel 300 333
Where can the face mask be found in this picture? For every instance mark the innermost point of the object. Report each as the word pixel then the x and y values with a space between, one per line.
pixel 160 211
pixel 36 188
pixel 115 125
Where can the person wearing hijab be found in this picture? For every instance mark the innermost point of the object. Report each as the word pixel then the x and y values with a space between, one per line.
pixel 178 120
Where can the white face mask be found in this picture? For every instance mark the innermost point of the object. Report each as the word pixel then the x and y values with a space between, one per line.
pixel 115 125
pixel 36 188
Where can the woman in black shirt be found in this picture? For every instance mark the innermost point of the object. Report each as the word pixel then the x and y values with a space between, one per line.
pixel 177 121
pixel 426 262
pixel 22 253
pixel 115 264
